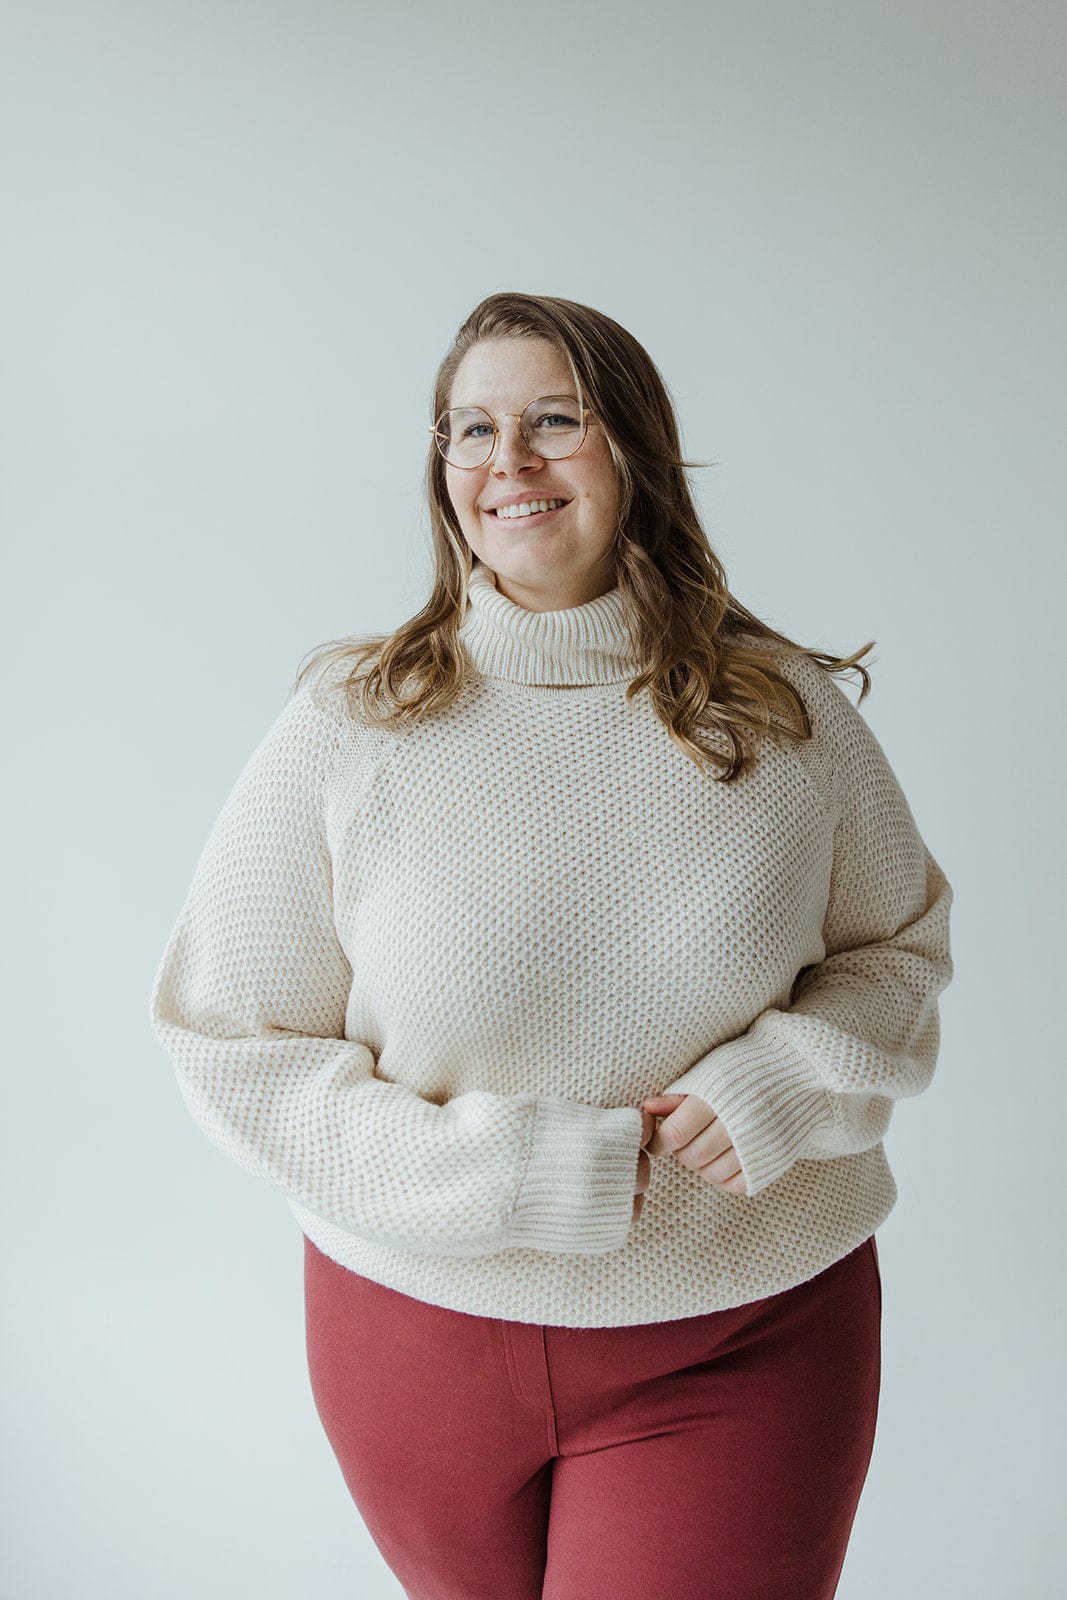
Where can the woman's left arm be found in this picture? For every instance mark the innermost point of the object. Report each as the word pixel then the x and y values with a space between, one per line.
pixel 818 1079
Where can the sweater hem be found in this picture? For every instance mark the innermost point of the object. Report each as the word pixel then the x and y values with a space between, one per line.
pixel 729 1252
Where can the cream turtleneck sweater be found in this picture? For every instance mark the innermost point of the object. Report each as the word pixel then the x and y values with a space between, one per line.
pixel 422 981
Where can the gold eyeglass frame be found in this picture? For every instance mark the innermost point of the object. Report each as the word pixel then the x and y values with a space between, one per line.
pixel 518 415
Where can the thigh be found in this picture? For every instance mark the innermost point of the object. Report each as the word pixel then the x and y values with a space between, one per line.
pixel 735 1476
pixel 449 1471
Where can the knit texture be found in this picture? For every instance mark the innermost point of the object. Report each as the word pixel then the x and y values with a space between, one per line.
pixel 422 980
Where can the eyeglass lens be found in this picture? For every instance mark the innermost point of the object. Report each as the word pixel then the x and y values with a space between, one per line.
pixel 553 427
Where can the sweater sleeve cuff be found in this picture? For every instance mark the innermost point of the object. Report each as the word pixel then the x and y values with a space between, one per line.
pixel 762 1093
pixel 577 1190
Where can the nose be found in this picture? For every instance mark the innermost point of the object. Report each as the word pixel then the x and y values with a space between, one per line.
pixel 511 450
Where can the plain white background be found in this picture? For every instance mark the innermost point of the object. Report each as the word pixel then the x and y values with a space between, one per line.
pixel 238 238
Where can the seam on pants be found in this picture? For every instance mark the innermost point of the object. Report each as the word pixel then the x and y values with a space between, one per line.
pixel 877 1273
pixel 534 1335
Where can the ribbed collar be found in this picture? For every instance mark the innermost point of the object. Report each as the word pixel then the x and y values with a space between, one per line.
pixel 579 645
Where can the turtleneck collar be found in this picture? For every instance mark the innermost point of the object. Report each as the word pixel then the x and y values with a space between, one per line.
pixel 580 645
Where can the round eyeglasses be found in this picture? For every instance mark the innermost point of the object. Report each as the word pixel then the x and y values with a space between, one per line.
pixel 553 427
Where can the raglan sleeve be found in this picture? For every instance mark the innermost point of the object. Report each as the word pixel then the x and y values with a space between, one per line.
pixel 249 1000
pixel 818 1078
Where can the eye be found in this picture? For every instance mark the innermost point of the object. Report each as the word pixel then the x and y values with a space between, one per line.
pixel 557 419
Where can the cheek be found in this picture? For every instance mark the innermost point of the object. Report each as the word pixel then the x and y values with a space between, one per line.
pixel 603 495
pixel 459 494
pixel 603 484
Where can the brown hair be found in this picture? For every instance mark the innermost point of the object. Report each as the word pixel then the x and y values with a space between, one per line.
pixel 689 631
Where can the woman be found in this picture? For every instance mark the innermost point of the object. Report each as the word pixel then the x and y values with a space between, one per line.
pixel 561 955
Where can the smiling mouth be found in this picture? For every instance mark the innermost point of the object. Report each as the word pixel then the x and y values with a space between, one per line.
pixel 526 508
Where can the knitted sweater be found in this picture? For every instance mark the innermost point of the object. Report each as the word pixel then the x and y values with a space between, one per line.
pixel 423 978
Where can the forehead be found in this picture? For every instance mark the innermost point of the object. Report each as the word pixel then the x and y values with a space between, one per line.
pixel 503 374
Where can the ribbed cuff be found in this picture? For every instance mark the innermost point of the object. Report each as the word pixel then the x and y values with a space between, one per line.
pixel 760 1089
pixel 578 1185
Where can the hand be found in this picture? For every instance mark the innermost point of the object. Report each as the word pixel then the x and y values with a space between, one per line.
pixel 644 1165
pixel 692 1132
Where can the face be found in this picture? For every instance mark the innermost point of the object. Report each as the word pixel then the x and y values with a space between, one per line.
pixel 552 559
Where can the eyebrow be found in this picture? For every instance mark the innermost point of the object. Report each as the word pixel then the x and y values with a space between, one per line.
pixel 474 405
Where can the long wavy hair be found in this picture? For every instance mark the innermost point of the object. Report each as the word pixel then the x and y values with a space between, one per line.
pixel 692 637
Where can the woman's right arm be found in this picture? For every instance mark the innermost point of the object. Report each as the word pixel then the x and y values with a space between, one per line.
pixel 249 1001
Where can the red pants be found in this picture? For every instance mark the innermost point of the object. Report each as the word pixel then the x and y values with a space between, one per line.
pixel 717 1457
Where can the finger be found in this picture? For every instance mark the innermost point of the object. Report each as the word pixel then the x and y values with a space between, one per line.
pixel 723 1170
pixel 662 1103
pixel 720 1169
pixel 644 1172
pixel 710 1144
pixel 682 1125
pixel 736 1184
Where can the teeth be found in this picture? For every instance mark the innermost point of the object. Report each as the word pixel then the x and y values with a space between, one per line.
pixel 528 508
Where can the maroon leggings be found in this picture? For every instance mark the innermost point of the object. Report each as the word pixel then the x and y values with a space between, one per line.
pixel 717 1457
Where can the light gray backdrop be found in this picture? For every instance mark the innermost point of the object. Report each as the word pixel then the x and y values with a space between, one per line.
pixel 238 237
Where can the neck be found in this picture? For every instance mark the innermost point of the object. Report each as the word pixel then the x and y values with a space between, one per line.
pixel 561 594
